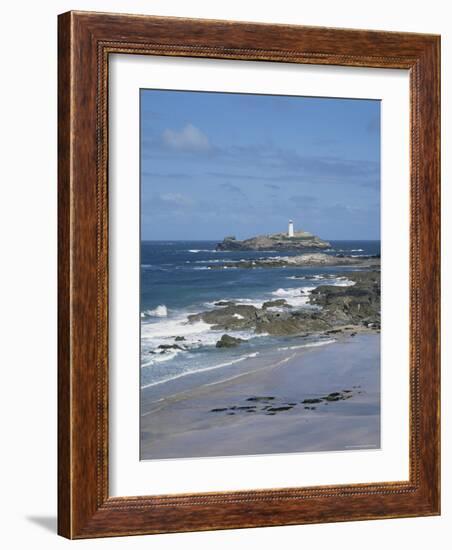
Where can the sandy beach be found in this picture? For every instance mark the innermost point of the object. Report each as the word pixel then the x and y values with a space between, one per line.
pixel 298 399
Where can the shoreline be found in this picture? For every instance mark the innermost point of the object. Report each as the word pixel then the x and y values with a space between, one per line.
pixel 257 406
pixel 335 306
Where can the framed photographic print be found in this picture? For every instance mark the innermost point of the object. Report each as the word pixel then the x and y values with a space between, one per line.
pixel 248 275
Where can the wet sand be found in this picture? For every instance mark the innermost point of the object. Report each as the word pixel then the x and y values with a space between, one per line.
pixel 257 407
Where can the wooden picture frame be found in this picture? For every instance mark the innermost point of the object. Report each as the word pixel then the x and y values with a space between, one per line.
pixel 86 40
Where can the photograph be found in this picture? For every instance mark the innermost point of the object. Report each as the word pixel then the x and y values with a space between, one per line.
pixel 259 274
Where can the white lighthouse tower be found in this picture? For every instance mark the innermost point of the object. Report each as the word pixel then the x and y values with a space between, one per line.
pixel 290 230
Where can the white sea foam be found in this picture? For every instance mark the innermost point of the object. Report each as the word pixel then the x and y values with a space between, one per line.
pixel 330 280
pixel 170 328
pixel 249 302
pixel 296 297
pixel 343 281
pixel 309 345
pixel 235 361
pixel 357 250
pixel 207 261
pixel 205 369
pixel 160 357
pixel 159 311
pixel 238 301
pixel 309 277
pixel 164 333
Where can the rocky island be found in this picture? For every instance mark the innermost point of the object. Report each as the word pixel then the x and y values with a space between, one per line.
pixel 296 240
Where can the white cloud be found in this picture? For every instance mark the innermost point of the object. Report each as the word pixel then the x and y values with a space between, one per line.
pixel 176 199
pixel 189 138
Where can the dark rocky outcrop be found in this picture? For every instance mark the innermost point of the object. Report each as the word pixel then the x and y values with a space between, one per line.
pixel 336 309
pixel 275 323
pixel 358 304
pixel 227 341
pixel 166 347
pixel 275 303
pixel 271 405
pixel 231 317
pixel 304 260
pixel 299 323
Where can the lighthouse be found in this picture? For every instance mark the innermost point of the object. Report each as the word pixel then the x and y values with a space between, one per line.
pixel 290 230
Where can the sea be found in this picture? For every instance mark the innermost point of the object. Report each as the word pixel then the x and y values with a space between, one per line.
pixel 177 280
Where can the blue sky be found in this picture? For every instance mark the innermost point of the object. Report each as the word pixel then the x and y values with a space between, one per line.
pixel 216 164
